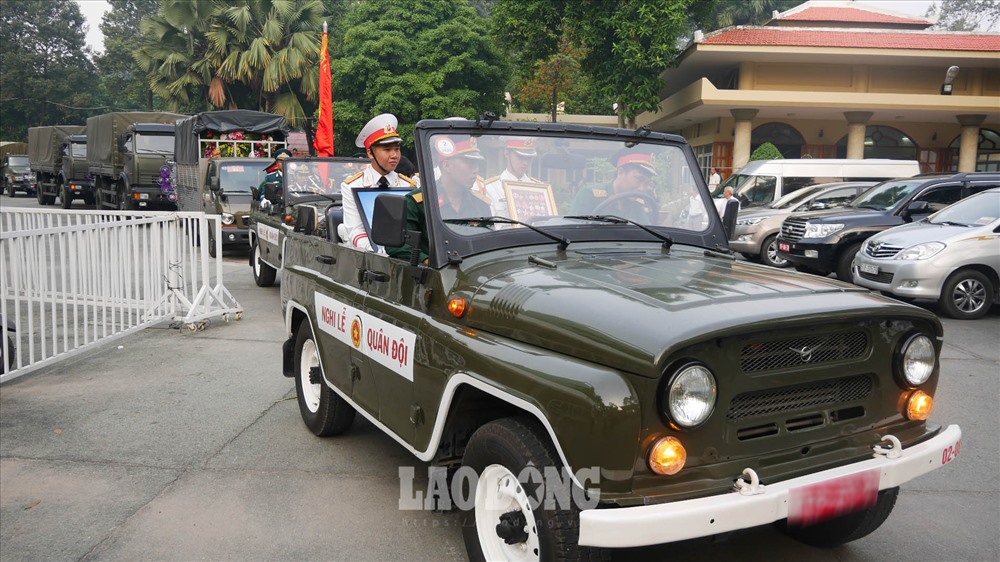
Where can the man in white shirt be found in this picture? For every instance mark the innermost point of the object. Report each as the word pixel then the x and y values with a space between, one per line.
pixel 720 203
pixel 382 144
pixel 714 179
pixel 520 152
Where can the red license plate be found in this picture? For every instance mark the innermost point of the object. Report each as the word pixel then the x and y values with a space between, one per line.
pixel 819 502
pixel 782 247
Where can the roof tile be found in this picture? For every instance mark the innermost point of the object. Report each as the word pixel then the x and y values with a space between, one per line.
pixel 793 37
pixel 849 15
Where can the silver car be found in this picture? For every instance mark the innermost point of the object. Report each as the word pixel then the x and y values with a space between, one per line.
pixel 952 256
pixel 757 229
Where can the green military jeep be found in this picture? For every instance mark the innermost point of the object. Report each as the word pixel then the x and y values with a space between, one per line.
pixel 592 366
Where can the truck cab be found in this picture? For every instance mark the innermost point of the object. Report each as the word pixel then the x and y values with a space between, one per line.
pixel 77 182
pixel 145 149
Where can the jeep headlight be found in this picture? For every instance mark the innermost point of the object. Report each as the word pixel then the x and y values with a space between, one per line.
pixel 920 251
pixel 228 218
pixel 814 230
pixel 748 222
pixel 916 360
pixel 690 396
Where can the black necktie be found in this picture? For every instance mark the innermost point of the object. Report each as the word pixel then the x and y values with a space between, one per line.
pixel 383 183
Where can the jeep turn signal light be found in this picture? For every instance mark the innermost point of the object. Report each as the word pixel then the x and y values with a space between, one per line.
pixel 919 406
pixel 458 307
pixel 667 456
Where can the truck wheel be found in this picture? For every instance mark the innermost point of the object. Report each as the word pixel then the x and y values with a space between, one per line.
pixel 65 196
pixel 966 295
pixel 769 253
pixel 263 274
pixel 845 261
pixel 503 524
pixel 323 410
pixel 88 199
pixel 40 197
pixel 846 528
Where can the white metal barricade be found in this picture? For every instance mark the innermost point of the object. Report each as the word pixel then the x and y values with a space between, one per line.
pixel 73 278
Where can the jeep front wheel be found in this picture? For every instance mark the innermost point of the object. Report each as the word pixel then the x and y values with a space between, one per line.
pixel 324 412
pixel 263 274
pixel 510 518
pixel 845 528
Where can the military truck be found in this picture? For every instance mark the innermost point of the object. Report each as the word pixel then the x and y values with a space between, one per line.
pixel 594 369
pixel 274 211
pixel 220 158
pixel 126 152
pixel 58 157
pixel 14 166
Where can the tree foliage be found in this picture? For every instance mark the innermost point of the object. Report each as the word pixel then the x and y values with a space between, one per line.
pixel 628 43
pixel 252 54
pixel 125 84
pixel 966 15
pixel 766 151
pixel 45 74
pixel 750 12
pixel 416 60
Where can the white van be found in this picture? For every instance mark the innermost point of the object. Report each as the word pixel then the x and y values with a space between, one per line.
pixel 763 181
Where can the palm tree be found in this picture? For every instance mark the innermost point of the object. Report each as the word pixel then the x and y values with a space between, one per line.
pixel 254 54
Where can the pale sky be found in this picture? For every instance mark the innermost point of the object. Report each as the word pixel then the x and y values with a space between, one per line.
pixel 93 11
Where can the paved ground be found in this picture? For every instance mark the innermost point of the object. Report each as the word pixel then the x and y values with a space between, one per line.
pixel 168 445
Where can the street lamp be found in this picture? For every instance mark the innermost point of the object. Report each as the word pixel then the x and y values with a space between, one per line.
pixel 949 77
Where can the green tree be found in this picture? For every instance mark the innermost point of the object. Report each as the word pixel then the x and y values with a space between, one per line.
pixel 559 80
pixel 416 60
pixel 253 54
pixel 628 43
pixel 766 151
pixel 966 15
pixel 45 75
pixel 750 12
pixel 125 84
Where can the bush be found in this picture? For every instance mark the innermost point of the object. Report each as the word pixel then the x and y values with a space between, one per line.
pixel 766 151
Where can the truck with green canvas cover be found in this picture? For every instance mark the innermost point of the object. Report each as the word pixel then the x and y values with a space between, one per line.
pixel 220 157
pixel 58 157
pixel 125 153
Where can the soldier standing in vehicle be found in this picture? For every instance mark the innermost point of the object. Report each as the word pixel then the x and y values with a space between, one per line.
pixel 382 144
pixel 520 152
pixel 635 174
pixel 458 160
pixel 274 173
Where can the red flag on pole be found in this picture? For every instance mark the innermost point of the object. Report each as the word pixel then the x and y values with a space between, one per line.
pixel 324 130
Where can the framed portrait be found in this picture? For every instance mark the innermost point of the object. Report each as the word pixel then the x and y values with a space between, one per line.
pixel 527 200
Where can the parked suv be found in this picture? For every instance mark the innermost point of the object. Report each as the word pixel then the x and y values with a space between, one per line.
pixel 756 235
pixel 822 242
pixel 17 176
pixel 952 257
pixel 587 380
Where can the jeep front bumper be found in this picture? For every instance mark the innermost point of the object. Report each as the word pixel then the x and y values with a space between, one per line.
pixel 688 519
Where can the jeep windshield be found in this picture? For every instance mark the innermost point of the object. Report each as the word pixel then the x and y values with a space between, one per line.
pixel 577 188
pixel 317 179
pixel 241 177
pixel 886 195
pixel 154 144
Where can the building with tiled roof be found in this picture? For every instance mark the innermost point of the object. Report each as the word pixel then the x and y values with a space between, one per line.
pixel 837 79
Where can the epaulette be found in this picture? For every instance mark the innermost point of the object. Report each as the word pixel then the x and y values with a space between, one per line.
pixel 408 180
pixel 354 177
pixel 418 197
pixel 491 180
pixel 600 192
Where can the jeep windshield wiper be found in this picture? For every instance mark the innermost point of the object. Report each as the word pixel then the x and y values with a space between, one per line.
pixel 667 241
pixel 486 221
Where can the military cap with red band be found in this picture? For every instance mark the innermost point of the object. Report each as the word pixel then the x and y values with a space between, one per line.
pixel 447 147
pixel 380 130
pixel 525 146
pixel 641 159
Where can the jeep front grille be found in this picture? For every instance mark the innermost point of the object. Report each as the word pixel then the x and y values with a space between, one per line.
pixel 793 229
pixel 798 398
pixel 809 350
pixel 882 250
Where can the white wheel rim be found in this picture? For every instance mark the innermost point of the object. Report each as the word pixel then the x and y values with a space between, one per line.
pixel 499 492
pixel 256 260
pixel 310 391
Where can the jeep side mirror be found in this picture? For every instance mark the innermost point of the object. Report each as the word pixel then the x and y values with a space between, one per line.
pixel 389 221
pixel 213 183
pixel 272 192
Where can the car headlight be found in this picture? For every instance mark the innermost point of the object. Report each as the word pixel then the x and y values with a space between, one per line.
pixel 228 218
pixel 690 396
pixel 920 251
pixel 916 360
pixel 821 230
pixel 748 222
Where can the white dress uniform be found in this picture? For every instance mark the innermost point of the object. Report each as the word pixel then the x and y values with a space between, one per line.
pixel 352 230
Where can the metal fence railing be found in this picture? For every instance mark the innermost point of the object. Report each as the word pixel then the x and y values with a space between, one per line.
pixel 71 279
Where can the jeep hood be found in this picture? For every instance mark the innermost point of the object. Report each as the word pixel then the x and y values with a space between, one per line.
pixel 632 309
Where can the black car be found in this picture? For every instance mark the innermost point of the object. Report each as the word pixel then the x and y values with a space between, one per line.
pixel 822 242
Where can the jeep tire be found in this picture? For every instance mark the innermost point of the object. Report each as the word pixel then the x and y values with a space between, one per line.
pixel 501 524
pixel 324 412
pixel 846 528
pixel 263 274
